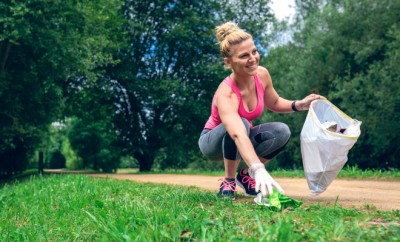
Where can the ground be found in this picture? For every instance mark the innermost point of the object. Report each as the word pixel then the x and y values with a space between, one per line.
pixel 361 194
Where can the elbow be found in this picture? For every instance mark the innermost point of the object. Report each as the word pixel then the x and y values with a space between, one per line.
pixel 237 137
pixel 273 108
pixel 237 131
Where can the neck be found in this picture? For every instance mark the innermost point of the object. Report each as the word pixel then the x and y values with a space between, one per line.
pixel 242 81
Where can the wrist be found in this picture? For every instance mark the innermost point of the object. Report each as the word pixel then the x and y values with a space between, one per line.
pixel 253 169
pixel 294 108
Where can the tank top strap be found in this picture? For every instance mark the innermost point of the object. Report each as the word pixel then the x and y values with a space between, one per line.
pixel 258 82
pixel 235 89
pixel 260 91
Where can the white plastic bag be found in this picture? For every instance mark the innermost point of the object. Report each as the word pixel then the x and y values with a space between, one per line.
pixel 324 152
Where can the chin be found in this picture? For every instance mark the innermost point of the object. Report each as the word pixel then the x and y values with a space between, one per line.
pixel 252 72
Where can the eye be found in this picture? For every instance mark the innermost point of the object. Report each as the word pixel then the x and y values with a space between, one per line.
pixel 255 51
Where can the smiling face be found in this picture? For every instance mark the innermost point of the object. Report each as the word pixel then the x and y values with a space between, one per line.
pixel 244 58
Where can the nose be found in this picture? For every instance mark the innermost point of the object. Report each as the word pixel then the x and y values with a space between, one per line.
pixel 253 58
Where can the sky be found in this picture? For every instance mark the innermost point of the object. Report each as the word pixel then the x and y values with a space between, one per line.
pixel 282 8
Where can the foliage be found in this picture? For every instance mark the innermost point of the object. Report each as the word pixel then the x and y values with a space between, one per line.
pixel 164 69
pixel 171 70
pixel 347 51
pixel 93 144
pixel 137 77
pixel 43 43
pixel 65 52
pixel 75 207
pixel 203 164
pixel 73 162
pixel 57 160
pixel 14 158
pixel 57 144
pixel 128 162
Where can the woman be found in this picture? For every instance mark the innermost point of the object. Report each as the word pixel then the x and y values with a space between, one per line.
pixel 240 98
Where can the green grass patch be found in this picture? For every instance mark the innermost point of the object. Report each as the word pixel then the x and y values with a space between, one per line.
pixel 82 208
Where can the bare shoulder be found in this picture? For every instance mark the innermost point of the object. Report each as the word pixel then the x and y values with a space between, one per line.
pixel 224 89
pixel 264 75
pixel 225 94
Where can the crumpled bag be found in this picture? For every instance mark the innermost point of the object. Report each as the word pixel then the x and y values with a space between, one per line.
pixel 324 152
pixel 277 201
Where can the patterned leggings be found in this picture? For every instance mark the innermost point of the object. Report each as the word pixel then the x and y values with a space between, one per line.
pixel 268 140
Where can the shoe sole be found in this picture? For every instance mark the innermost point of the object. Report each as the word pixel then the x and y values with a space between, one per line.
pixel 244 189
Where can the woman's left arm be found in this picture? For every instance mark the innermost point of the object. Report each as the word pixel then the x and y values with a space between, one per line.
pixel 279 104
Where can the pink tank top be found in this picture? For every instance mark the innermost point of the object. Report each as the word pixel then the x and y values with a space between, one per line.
pixel 215 120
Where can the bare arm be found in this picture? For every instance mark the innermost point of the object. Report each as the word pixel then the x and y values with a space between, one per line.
pixel 228 104
pixel 279 104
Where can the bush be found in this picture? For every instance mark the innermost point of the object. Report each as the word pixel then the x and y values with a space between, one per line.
pixel 206 165
pixel 128 162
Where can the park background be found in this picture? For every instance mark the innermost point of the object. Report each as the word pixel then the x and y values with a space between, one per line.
pixel 108 84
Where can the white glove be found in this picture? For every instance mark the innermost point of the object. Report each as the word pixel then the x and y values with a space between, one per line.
pixel 263 179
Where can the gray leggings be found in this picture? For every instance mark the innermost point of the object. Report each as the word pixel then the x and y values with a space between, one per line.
pixel 268 140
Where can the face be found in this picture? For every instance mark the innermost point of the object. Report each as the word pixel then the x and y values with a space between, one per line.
pixel 244 58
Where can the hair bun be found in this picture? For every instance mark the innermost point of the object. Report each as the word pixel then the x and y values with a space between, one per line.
pixel 229 34
pixel 225 29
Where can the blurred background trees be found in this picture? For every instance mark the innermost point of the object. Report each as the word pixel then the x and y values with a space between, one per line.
pixel 44 45
pixel 93 84
pixel 348 52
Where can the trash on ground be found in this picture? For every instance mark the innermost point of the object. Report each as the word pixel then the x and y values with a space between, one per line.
pixel 277 201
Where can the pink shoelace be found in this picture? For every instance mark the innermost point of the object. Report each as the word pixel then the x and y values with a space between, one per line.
pixel 251 182
pixel 227 185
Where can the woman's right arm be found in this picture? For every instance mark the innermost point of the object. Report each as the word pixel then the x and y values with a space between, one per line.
pixel 228 105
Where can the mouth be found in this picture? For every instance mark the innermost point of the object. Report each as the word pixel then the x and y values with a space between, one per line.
pixel 252 67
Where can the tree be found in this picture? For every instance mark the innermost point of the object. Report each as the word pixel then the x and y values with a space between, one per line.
pixel 43 44
pixel 171 70
pixel 345 50
pixel 92 133
pixel 170 59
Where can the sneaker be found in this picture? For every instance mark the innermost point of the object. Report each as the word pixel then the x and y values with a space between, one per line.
pixel 227 188
pixel 247 183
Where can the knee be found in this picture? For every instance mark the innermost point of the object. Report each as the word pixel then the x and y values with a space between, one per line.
pixel 282 130
pixel 246 124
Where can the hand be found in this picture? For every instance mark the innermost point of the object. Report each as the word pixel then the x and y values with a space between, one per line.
pixel 304 104
pixel 263 179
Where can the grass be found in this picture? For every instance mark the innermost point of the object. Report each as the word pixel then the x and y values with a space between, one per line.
pixel 348 172
pixel 82 208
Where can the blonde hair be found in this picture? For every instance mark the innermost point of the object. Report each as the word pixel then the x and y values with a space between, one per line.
pixel 229 34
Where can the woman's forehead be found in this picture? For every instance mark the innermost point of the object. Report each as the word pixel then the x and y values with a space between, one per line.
pixel 246 46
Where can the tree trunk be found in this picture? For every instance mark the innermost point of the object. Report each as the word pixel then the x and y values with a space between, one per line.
pixel 146 161
pixel 41 163
pixel 4 56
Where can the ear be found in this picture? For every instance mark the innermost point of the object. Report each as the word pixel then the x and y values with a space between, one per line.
pixel 227 62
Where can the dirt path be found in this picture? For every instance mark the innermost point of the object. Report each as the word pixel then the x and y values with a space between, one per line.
pixel 381 195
